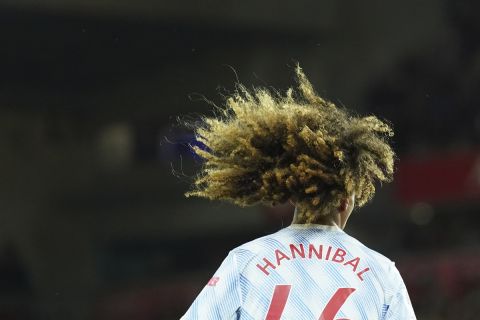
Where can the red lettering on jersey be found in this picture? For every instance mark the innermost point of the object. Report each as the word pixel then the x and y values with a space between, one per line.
pixel 264 268
pixel 354 263
pixel 280 296
pixel 359 275
pixel 335 303
pixel 297 251
pixel 339 255
pixel 280 256
pixel 279 299
pixel 311 248
pixel 213 282
pixel 300 252
pixel 328 252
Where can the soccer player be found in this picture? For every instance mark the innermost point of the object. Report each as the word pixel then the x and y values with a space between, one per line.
pixel 267 148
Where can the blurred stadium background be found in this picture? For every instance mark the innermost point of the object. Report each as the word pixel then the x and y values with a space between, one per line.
pixel 93 165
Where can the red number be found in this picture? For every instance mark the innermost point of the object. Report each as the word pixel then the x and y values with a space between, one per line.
pixel 335 303
pixel 279 299
pixel 280 296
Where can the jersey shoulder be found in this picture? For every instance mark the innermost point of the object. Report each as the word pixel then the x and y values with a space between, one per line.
pixel 373 255
pixel 246 252
pixel 382 267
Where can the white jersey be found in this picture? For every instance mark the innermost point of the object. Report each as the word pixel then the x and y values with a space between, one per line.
pixel 304 272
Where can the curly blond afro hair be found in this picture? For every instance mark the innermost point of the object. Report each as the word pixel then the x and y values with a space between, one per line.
pixel 267 148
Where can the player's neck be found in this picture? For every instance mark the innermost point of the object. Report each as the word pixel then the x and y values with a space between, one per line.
pixel 305 217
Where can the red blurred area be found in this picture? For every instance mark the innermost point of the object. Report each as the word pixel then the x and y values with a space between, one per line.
pixel 439 177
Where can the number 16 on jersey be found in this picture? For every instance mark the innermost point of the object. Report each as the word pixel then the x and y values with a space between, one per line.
pixel 280 297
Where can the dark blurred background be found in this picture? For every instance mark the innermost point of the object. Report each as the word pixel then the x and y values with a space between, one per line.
pixel 93 164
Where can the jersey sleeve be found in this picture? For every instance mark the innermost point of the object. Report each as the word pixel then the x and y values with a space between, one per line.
pixel 400 306
pixel 220 298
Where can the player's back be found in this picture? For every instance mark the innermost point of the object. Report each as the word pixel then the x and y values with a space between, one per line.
pixel 310 271
pixel 304 272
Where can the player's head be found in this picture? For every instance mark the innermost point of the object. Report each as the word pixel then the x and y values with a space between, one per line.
pixel 269 148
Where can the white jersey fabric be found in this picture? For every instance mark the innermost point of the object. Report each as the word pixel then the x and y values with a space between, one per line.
pixel 304 272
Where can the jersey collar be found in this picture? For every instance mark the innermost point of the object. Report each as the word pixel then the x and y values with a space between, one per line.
pixel 309 226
